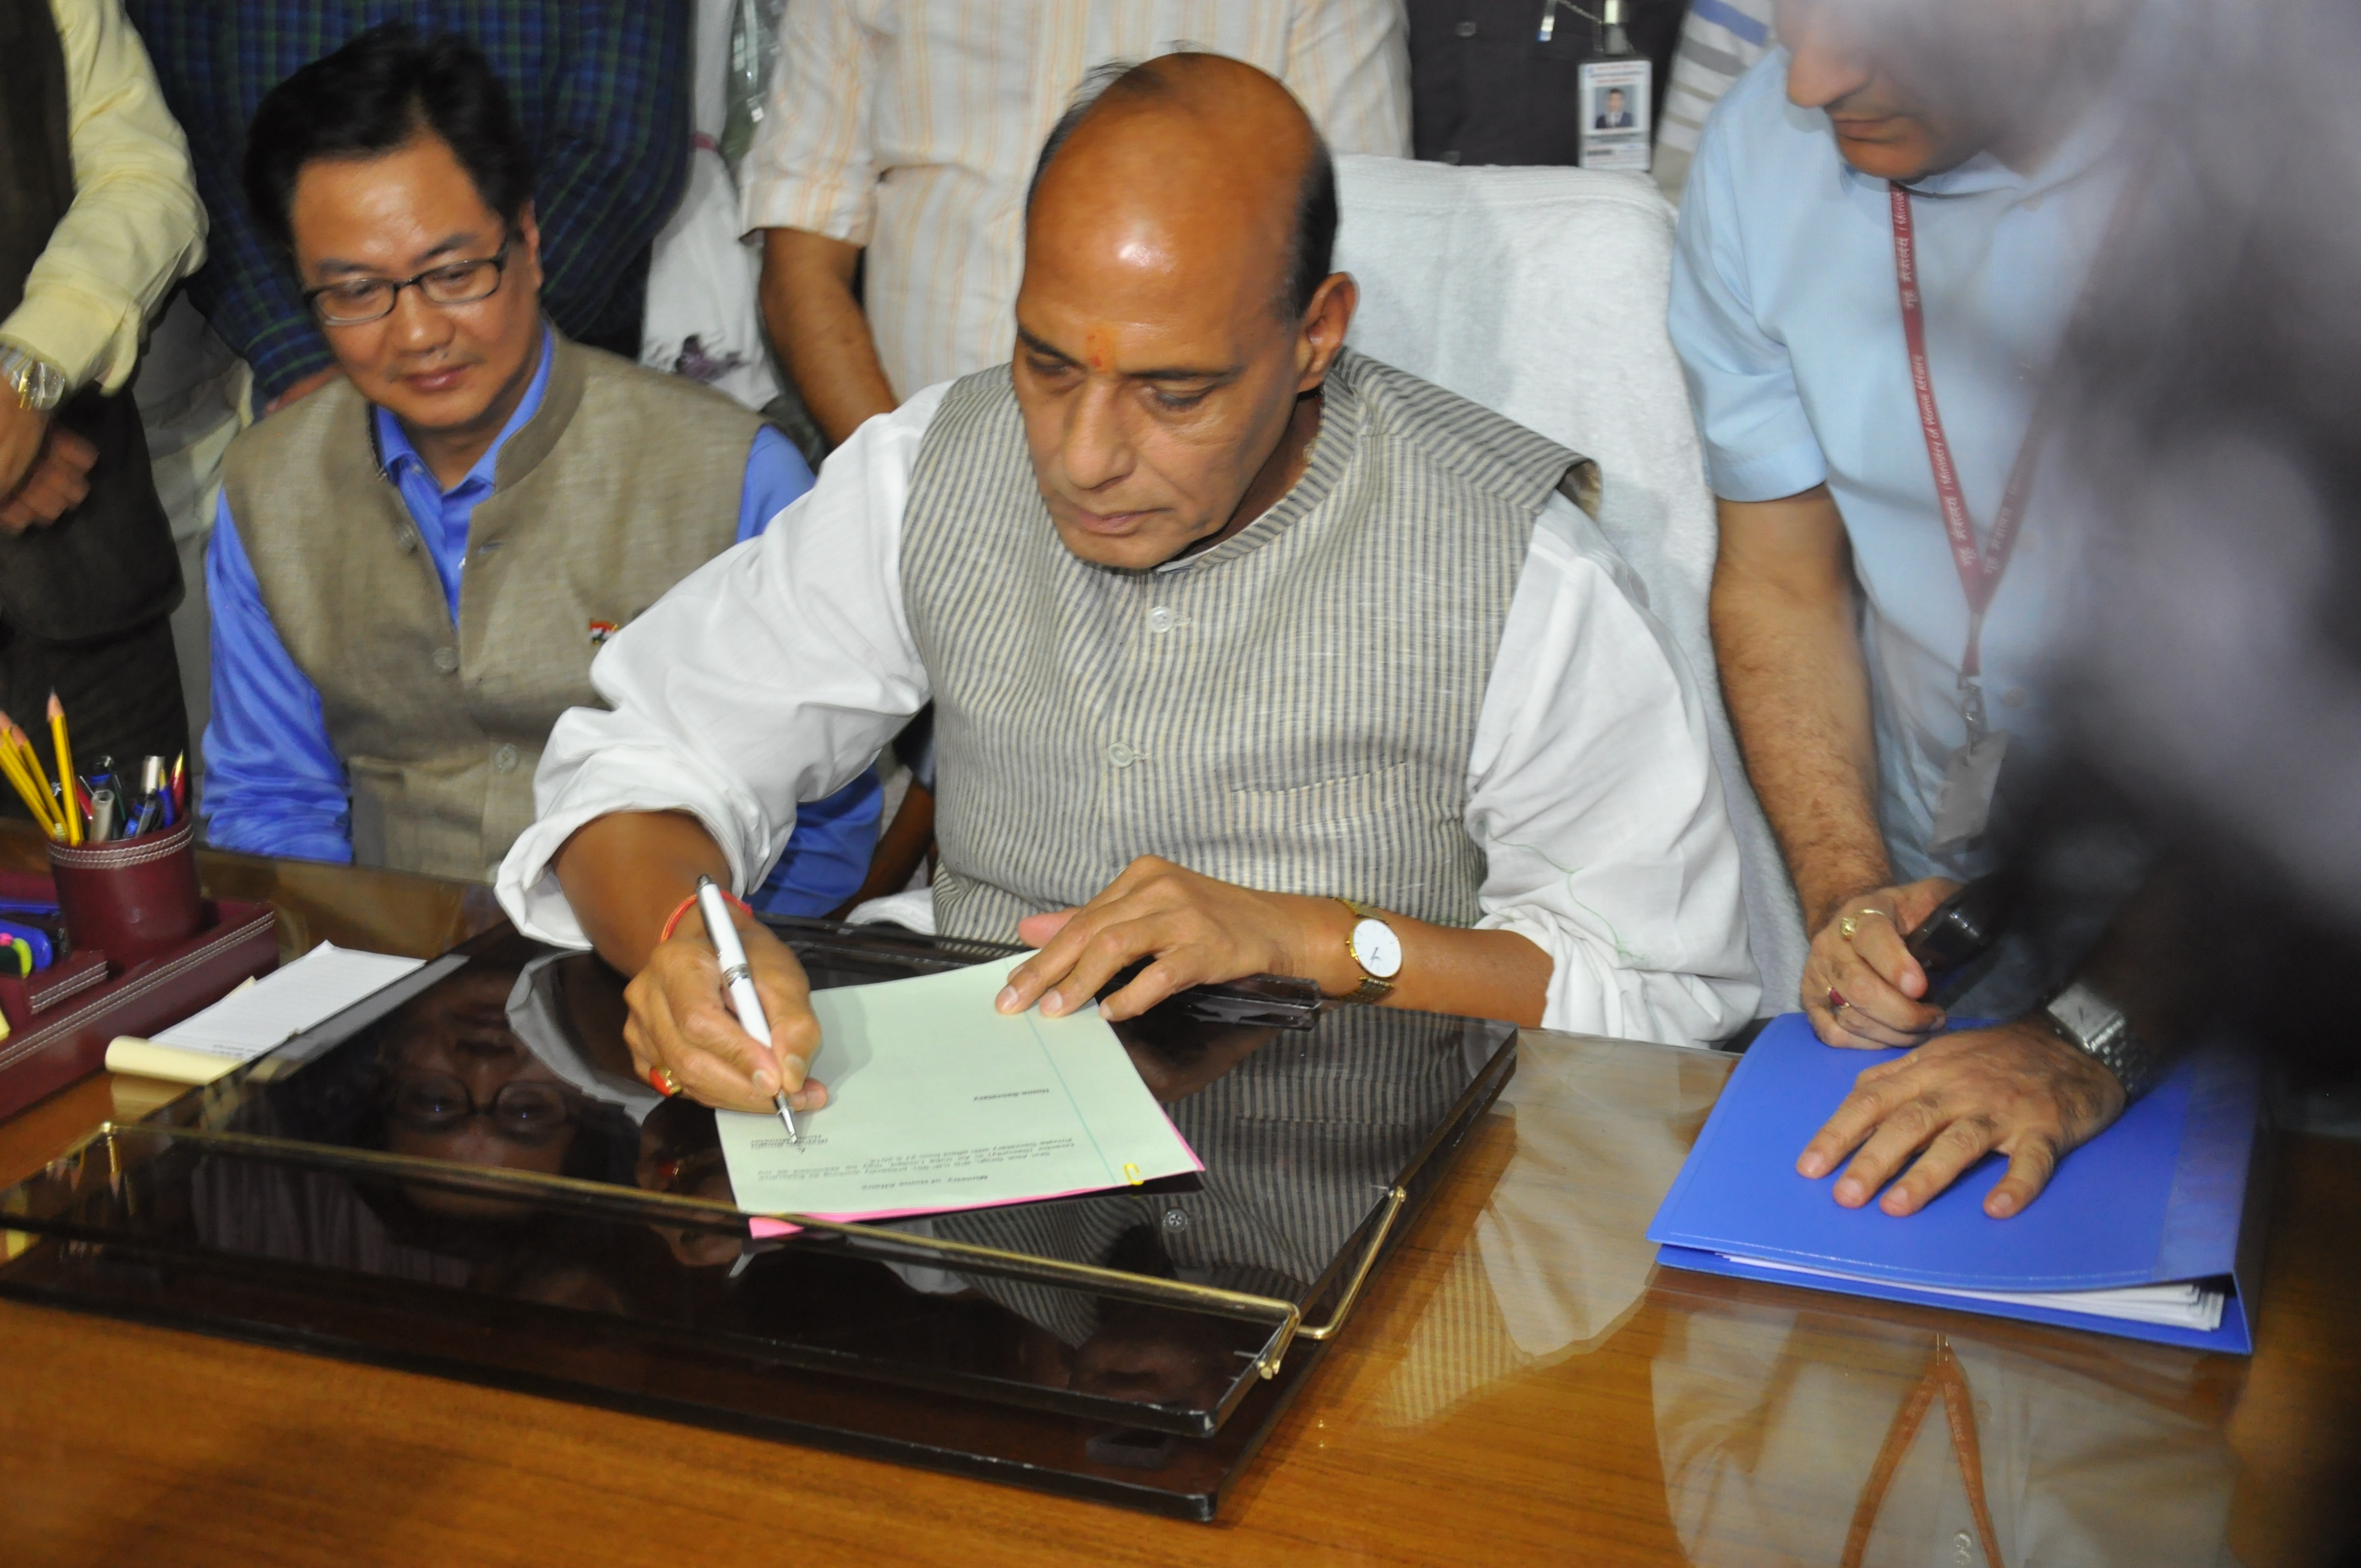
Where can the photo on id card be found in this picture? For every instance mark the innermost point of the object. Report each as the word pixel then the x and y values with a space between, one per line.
pixel 1615 113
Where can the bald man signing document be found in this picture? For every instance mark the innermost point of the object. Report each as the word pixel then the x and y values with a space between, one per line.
pixel 1249 655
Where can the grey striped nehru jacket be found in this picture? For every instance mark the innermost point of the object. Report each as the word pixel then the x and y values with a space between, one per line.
pixel 1291 709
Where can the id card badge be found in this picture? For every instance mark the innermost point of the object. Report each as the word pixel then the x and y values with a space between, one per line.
pixel 1963 805
pixel 1616 112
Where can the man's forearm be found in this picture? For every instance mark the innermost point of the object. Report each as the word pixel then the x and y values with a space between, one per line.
pixel 1797 692
pixel 624 874
pixel 1445 968
pixel 820 331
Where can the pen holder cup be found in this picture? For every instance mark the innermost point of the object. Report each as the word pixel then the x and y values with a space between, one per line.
pixel 131 899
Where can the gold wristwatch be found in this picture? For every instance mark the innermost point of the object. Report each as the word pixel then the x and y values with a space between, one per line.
pixel 40 386
pixel 1373 947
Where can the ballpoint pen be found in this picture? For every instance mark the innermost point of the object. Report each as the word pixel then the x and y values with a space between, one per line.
pixel 723 932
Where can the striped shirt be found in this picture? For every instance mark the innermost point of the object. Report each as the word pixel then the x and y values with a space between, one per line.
pixel 912 130
pixel 1721 40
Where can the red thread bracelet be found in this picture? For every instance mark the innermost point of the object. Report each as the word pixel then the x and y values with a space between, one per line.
pixel 690 903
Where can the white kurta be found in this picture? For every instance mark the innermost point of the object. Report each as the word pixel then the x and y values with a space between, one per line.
pixel 775 673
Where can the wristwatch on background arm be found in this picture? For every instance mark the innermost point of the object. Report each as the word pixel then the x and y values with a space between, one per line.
pixel 39 385
pixel 2086 1020
pixel 1373 947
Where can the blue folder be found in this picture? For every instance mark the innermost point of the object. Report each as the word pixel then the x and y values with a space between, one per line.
pixel 2166 1194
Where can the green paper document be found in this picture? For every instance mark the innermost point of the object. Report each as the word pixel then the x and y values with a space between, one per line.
pixel 937 1102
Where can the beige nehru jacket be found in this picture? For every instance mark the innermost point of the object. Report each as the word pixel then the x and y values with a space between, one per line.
pixel 623 483
pixel 911 129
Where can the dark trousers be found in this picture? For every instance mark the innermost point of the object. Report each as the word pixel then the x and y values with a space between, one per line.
pixel 122 697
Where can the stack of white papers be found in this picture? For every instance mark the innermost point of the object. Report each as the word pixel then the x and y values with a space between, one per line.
pixel 2186 1304
pixel 260 1015
pixel 938 1101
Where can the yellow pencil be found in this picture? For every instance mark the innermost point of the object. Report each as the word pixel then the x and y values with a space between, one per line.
pixel 28 758
pixel 64 750
pixel 35 798
pixel 17 759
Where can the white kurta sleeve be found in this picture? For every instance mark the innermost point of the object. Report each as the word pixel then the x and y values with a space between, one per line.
pixel 1594 796
pixel 772 675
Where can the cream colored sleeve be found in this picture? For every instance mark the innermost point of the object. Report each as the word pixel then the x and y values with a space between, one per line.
pixel 1349 62
pixel 135 226
pixel 811 167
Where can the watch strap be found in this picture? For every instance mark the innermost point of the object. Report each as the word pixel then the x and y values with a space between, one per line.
pixel 37 384
pixel 2086 1019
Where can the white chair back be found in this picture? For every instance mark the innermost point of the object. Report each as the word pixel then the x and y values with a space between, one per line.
pixel 1540 295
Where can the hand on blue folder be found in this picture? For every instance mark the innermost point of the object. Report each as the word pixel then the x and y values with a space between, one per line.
pixel 2160 1198
pixel 2017 1089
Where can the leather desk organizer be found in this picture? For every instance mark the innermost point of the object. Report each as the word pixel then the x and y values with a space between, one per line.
pixel 60 1018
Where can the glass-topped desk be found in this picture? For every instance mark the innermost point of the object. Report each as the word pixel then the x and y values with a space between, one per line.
pixel 1519 1384
pixel 464 1176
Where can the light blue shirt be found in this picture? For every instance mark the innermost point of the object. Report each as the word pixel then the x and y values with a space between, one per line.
pixel 1787 318
pixel 274 786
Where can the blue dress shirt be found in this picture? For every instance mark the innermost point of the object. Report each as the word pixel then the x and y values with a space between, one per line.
pixel 1787 318
pixel 274 786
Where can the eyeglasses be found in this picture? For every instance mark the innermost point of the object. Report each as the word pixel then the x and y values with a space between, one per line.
pixel 357 301
pixel 525 1111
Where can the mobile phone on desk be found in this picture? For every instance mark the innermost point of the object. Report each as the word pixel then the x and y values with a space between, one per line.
pixel 1954 945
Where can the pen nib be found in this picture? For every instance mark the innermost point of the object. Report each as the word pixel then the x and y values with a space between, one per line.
pixel 787 1119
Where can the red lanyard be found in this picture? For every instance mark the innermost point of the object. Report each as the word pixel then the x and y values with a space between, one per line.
pixel 1980 570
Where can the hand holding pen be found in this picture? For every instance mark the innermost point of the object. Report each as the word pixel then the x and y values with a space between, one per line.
pixel 686 1034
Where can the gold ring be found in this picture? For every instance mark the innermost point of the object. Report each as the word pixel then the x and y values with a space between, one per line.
pixel 661 1080
pixel 1851 923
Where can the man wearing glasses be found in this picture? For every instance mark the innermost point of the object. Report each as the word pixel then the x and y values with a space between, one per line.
pixel 412 568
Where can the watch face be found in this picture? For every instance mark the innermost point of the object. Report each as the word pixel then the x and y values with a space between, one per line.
pixel 1376 949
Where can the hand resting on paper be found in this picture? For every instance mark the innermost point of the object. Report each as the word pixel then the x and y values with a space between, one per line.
pixel 1872 971
pixel 1202 931
pixel 2018 1089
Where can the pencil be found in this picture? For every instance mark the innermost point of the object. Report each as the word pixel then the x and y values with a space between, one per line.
pixel 30 761
pixel 35 798
pixel 13 741
pixel 64 748
pixel 17 759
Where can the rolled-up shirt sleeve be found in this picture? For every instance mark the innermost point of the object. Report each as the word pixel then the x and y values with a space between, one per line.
pixel 772 676
pixel 812 166
pixel 135 226
pixel 1759 445
pixel 1593 794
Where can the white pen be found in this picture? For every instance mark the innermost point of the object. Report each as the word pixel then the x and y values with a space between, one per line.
pixel 741 982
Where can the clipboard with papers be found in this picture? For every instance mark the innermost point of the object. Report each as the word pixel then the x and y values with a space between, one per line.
pixel 2152 1230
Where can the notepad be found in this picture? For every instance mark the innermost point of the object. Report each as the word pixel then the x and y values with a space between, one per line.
pixel 260 1015
pixel 938 1101
pixel 2147 1230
